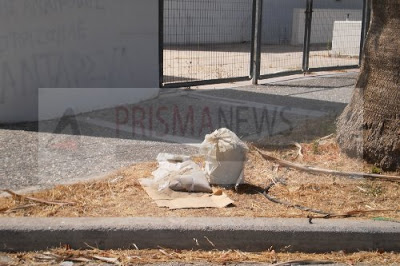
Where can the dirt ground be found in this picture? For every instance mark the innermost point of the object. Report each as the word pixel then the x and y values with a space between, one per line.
pixel 185 63
pixel 121 195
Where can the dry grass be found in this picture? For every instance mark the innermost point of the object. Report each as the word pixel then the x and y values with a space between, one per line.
pixel 125 257
pixel 121 195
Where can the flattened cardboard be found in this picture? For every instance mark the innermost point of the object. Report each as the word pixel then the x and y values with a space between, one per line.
pixel 184 200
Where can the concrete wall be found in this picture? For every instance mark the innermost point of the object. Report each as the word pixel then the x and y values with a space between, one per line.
pixel 322 24
pixel 346 38
pixel 278 16
pixel 75 44
pixel 224 21
pixel 207 21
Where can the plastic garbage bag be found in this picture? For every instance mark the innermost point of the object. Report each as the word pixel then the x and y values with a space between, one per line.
pixel 225 156
pixel 196 181
pixel 178 173
pixel 167 164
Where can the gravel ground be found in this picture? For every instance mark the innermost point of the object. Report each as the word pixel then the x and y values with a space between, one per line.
pixel 94 144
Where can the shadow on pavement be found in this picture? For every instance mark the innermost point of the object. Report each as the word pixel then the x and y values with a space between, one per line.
pixel 186 117
pixel 95 143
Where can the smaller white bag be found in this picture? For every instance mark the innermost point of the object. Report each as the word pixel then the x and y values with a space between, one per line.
pixel 178 173
pixel 225 157
pixel 196 181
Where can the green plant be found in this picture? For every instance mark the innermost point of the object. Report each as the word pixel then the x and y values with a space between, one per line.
pixel 376 170
pixel 315 147
pixel 329 45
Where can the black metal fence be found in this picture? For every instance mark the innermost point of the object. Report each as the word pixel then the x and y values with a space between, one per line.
pixel 335 37
pixel 281 47
pixel 206 40
pixel 215 41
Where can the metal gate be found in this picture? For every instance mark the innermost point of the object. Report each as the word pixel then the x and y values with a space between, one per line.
pixel 300 36
pixel 215 41
pixel 206 41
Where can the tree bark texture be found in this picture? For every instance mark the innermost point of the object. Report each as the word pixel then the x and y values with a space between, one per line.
pixel 369 127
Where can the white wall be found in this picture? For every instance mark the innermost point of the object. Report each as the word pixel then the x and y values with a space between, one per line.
pixel 54 102
pixel 227 21
pixel 75 44
pixel 346 38
pixel 322 23
pixel 202 22
pixel 278 16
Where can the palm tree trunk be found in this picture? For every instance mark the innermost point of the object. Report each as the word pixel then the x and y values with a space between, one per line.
pixel 369 127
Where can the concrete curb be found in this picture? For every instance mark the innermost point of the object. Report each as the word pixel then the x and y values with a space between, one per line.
pixel 247 234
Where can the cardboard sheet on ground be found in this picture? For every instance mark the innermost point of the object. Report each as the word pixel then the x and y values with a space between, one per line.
pixel 183 200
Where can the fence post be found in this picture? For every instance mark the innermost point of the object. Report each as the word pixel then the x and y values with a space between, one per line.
pixel 160 42
pixel 253 26
pixel 364 26
pixel 307 36
pixel 256 41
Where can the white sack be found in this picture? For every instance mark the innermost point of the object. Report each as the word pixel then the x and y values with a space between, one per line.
pixel 225 156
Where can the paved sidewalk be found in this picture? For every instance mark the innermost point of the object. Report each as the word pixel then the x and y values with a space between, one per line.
pixel 93 144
